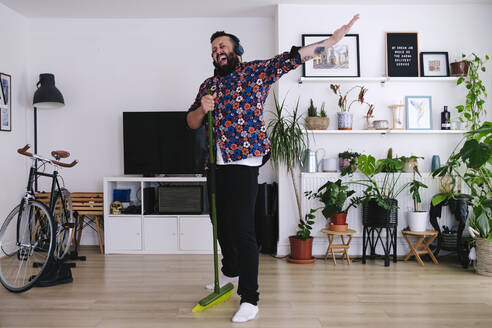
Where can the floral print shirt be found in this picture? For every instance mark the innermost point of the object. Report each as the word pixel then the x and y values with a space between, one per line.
pixel 238 116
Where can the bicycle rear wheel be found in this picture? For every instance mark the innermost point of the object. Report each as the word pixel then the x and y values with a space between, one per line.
pixel 64 223
pixel 26 245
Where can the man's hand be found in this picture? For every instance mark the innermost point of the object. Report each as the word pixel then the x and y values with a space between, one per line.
pixel 195 118
pixel 340 33
pixel 208 103
pixel 315 49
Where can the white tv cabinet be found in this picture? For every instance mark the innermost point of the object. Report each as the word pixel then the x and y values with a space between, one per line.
pixel 153 234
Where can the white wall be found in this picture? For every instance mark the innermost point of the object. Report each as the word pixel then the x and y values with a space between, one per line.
pixel 14 61
pixel 107 66
pixel 451 28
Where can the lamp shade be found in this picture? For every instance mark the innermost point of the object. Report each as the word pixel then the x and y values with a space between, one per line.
pixel 47 95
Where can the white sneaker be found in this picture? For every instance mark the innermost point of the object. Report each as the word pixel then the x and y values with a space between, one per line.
pixel 223 280
pixel 246 312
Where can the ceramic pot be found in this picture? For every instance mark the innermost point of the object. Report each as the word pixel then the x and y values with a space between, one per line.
pixel 417 221
pixel 345 120
pixel 459 68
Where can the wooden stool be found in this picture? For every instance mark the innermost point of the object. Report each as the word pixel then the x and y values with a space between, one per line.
pixel 421 246
pixel 88 207
pixel 338 248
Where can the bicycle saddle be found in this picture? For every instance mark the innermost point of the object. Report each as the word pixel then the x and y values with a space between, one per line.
pixel 60 154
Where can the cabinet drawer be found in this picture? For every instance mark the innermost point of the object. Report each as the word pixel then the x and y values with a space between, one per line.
pixel 195 233
pixel 161 234
pixel 125 232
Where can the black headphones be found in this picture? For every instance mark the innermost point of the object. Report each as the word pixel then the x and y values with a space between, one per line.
pixel 238 48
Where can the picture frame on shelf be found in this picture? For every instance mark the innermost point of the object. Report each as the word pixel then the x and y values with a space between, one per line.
pixel 434 64
pixel 341 60
pixel 402 54
pixel 6 102
pixel 418 110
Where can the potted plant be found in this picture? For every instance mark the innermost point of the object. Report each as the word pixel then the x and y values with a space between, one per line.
pixel 410 163
pixel 417 220
pixel 472 164
pixel 333 195
pixel 301 245
pixel 379 196
pixel 347 161
pixel 288 147
pixel 345 118
pixel 474 108
pixel 315 122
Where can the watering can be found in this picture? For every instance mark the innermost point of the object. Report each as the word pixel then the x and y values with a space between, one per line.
pixel 311 164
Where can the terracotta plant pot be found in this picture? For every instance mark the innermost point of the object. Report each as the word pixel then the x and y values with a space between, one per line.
pixel 339 218
pixel 317 123
pixel 301 249
pixel 459 68
pixel 339 227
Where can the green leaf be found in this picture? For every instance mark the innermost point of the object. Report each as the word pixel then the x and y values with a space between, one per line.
pixel 439 198
pixel 460 80
pixel 487 57
pixel 482 221
pixel 367 164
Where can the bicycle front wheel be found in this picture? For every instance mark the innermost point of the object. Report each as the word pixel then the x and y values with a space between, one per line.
pixel 26 245
pixel 64 223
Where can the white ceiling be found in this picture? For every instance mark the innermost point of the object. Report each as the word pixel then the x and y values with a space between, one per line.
pixel 180 8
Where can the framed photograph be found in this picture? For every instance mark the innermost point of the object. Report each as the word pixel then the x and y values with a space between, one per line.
pixel 418 112
pixel 434 64
pixel 341 60
pixel 6 102
pixel 402 54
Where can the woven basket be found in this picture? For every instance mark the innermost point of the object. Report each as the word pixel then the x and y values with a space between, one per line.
pixel 484 257
pixel 317 123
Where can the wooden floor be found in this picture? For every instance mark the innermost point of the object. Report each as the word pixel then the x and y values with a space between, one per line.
pixel 160 291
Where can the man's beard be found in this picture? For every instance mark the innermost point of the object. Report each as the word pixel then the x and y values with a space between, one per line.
pixel 232 61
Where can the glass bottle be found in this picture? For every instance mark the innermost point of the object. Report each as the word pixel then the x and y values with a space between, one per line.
pixel 445 119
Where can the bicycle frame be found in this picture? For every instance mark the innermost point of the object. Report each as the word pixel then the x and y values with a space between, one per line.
pixel 30 194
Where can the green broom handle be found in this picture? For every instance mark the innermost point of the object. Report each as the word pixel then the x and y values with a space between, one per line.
pixel 214 212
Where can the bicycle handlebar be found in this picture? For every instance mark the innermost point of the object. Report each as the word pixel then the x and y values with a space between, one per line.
pixel 23 151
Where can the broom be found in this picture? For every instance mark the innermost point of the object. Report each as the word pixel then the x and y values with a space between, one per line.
pixel 220 294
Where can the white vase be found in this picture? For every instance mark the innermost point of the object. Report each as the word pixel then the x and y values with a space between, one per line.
pixel 417 221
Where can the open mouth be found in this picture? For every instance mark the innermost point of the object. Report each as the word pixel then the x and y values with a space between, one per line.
pixel 222 59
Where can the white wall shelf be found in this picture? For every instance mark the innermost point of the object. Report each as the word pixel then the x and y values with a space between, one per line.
pixel 382 79
pixel 389 131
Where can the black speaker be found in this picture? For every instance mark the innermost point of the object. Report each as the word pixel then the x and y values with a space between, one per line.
pixel 181 199
pixel 267 217
pixel 149 200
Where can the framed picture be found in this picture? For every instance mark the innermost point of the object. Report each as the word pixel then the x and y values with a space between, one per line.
pixel 418 112
pixel 6 102
pixel 434 64
pixel 402 54
pixel 341 60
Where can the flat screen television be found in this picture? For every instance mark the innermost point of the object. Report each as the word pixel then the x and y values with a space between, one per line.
pixel 161 143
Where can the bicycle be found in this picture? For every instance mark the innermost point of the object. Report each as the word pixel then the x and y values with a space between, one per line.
pixel 33 232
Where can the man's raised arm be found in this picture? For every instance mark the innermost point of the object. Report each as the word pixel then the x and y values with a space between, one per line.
pixel 315 49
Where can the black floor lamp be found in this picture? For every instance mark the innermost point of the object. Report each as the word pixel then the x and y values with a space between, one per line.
pixel 46 96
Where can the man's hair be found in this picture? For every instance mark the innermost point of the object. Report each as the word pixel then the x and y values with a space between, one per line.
pixel 234 39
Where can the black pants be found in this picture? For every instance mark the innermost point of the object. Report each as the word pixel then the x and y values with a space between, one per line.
pixel 237 187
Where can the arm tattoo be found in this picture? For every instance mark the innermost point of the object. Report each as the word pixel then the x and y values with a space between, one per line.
pixel 319 50
pixel 306 58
